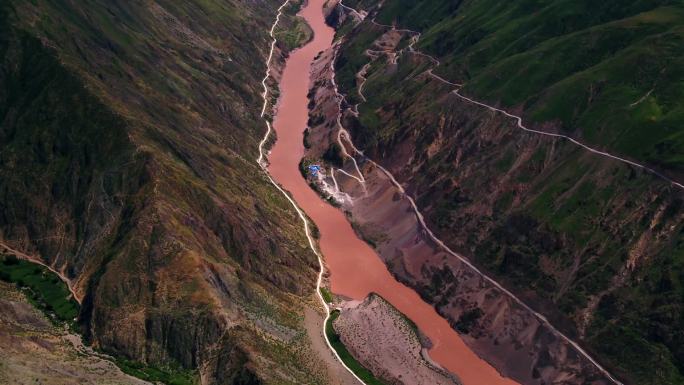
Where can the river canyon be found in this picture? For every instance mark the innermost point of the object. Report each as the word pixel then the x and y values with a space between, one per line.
pixel 355 269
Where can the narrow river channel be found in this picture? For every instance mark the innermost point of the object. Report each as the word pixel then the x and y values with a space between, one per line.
pixel 355 268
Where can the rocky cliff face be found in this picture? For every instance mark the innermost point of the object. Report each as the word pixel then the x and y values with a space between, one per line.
pixel 592 243
pixel 128 143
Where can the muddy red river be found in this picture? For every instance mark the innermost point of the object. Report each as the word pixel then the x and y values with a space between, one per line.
pixel 355 268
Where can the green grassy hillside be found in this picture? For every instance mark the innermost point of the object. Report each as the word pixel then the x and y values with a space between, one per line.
pixel 608 73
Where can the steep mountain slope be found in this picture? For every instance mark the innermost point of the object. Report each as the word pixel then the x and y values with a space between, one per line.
pixel 127 143
pixel 593 243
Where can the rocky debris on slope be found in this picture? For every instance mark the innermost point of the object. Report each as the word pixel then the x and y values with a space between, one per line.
pixel 387 343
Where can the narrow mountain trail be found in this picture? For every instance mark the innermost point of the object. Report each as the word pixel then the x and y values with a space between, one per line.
pixel 575 141
pixel 438 241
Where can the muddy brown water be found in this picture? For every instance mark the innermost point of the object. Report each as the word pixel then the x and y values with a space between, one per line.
pixel 355 268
